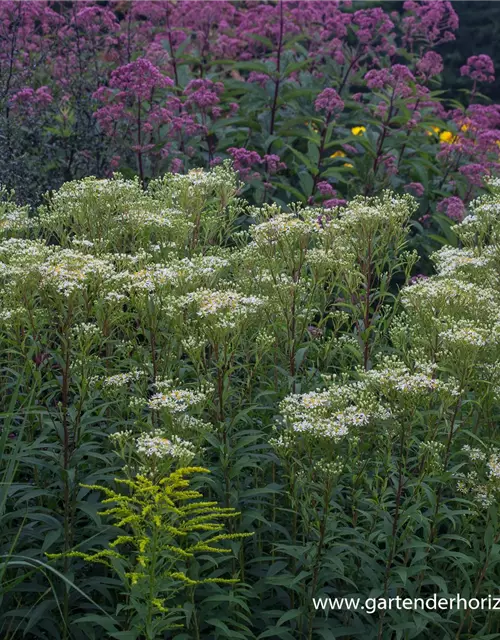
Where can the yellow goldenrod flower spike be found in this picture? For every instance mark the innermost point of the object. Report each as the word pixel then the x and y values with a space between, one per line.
pixel 357 131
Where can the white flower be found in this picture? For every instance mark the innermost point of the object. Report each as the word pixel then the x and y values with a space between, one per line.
pixel 176 400
pixel 157 445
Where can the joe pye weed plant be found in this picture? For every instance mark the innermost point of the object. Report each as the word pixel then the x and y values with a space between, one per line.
pixel 345 409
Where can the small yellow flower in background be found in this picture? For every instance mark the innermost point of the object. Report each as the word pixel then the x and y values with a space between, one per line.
pixel 338 154
pixel 348 164
pixel 447 136
pixel 464 128
pixel 357 131
pixel 435 130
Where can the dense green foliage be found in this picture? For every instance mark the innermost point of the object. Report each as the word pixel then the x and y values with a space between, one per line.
pixel 347 413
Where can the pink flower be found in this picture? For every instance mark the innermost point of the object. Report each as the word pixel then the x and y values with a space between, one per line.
pixel 416 187
pixel 390 164
pixel 326 189
pixel 431 64
pixel 176 165
pixel 114 163
pixel 474 173
pixel 109 116
pixel 453 207
pixel 374 25
pixel 479 68
pixel 203 93
pixel 95 19
pixel 273 163
pixel 417 278
pixel 258 78
pixel 244 160
pixel 31 100
pixel 329 101
pixel 432 22
pixel 138 79
pixel 349 149
pixel 398 77
pixel 334 202
pixel 425 220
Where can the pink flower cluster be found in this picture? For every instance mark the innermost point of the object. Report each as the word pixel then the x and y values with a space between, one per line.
pixel 398 77
pixel 479 68
pixel 453 207
pixel 431 64
pixel 429 22
pixel 138 80
pixel 31 100
pixel 244 161
pixel 176 85
pixel 329 101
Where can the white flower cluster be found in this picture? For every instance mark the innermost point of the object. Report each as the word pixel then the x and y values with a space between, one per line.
pixel 329 469
pixel 394 376
pixel 176 400
pixel 86 330
pixel 333 413
pixel 283 226
pixel 395 381
pixel 15 220
pixel 78 243
pixel 388 213
pixel 9 316
pixel 470 484
pixel 432 452
pixel 494 466
pixel 461 262
pixel 463 334
pixel 68 270
pixel 20 257
pixel 225 309
pixel 156 445
pixel 199 271
pixel 474 454
pixel 447 295
pixel 482 483
pixel 122 379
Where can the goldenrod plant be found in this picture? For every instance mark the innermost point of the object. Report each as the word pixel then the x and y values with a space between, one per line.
pixel 164 523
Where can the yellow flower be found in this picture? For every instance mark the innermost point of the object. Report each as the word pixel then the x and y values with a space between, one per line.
pixel 435 130
pixel 447 136
pixel 464 128
pixel 338 154
pixel 348 164
pixel 357 131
